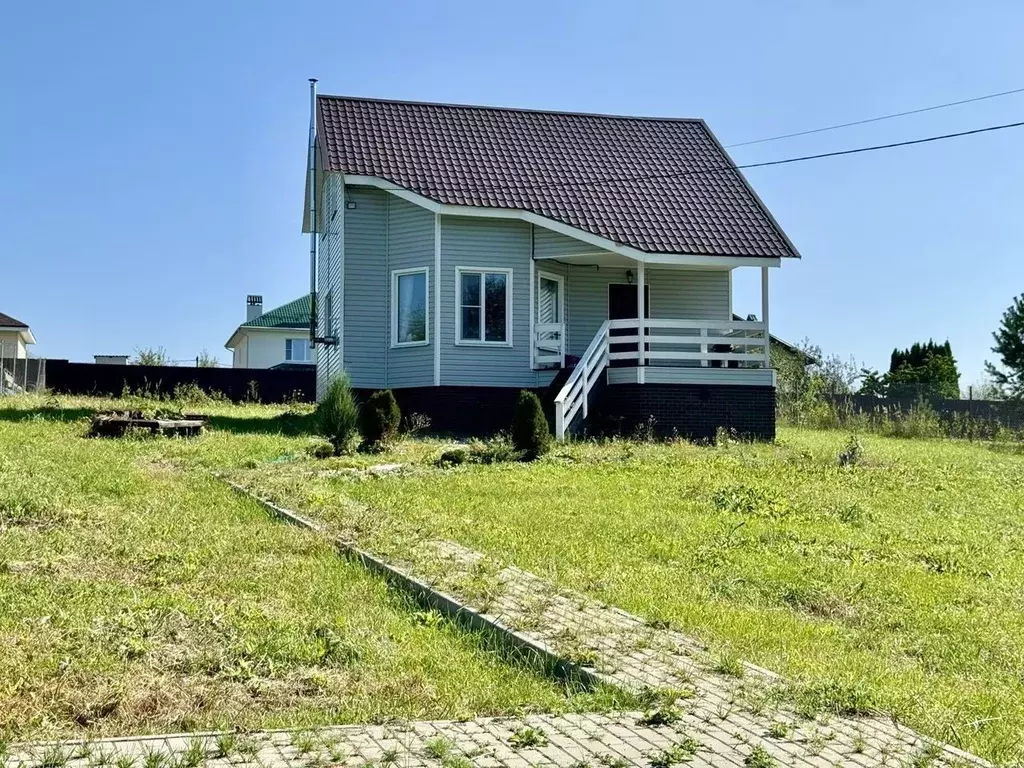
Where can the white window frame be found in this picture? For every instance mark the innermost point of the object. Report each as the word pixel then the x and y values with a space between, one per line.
pixel 555 278
pixel 288 350
pixel 395 274
pixel 459 341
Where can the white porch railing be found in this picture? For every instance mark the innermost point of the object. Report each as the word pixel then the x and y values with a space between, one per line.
pixel 549 344
pixel 575 394
pixel 704 343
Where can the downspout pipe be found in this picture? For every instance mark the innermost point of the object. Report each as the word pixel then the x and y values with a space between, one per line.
pixel 311 178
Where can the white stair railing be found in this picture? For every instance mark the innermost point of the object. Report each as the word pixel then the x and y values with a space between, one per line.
pixel 549 344
pixel 575 395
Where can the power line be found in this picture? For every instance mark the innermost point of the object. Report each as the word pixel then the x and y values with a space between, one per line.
pixel 876 119
pixel 763 164
pixel 723 168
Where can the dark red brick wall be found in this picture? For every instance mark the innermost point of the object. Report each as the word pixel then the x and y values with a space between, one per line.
pixel 687 410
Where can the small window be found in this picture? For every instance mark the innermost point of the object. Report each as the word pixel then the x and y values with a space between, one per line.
pixel 408 307
pixel 329 314
pixel 485 299
pixel 297 350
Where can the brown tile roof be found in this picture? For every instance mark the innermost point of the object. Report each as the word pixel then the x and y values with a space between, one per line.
pixel 6 321
pixel 657 184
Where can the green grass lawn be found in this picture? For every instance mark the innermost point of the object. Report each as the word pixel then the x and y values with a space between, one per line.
pixel 896 584
pixel 139 594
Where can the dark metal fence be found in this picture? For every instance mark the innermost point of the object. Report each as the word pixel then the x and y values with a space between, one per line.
pixel 1007 413
pixel 257 384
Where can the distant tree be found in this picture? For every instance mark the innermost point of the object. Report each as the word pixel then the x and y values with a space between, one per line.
pixel 872 383
pixel 206 360
pixel 1009 346
pixel 151 356
pixel 923 369
pixel 803 377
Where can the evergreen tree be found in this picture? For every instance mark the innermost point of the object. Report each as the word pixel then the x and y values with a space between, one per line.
pixel 1010 348
pixel 927 370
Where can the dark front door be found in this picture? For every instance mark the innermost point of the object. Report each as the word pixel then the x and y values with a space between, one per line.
pixel 622 306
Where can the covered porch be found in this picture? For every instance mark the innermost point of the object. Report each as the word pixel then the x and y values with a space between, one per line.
pixel 587 319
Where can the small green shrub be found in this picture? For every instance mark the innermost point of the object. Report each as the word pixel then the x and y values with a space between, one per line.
pixel 453 457
pixel 337 416
pixel 379 420
pixel 530 432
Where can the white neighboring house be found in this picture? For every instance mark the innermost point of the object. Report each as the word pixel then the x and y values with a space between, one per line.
pixel 275 339
pixel 15 336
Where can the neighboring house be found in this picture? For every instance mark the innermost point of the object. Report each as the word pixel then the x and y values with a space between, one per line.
pixel 110 359
pixel 465 253
pixel 275 339
pixel 15 337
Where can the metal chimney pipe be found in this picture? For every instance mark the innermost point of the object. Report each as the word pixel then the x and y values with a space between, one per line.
pixel 311 175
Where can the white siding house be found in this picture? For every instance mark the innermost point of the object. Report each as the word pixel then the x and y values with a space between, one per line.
pixel 273 339
pixel 15 338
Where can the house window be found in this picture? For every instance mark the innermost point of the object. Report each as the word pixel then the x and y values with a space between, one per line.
pixel 297 350
pixel 408 307
pixel 485 300
pixel 329 314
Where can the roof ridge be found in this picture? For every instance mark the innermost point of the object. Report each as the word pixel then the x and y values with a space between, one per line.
pixel 528 110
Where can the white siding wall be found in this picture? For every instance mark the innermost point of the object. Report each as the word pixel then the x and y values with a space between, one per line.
pixel 264 349
pixel 238 354
pixel 11 345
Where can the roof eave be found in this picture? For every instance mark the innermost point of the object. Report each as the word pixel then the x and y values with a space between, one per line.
pixel 757 198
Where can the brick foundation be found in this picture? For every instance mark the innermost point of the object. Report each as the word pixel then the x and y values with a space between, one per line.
pixel 463 411
pixel 695 411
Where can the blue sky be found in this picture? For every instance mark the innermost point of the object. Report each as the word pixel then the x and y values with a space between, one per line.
pixel 152 154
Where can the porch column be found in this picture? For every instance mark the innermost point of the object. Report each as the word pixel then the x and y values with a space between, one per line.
pixel 641 326
pixel 764 317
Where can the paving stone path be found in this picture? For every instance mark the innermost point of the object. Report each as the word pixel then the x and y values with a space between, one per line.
pixel 703 711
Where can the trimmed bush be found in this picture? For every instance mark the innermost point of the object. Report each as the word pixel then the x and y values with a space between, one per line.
pixel 530 433
pixel 379 420
pixel 337 417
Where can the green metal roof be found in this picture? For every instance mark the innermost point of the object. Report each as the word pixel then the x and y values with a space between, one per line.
pixel 294 314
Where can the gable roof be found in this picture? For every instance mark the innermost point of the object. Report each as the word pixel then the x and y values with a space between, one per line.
pixel 660 185
pixel 294 314
pixel 6 321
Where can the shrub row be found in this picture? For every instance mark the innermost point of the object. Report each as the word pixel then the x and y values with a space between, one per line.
pixel 340 420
